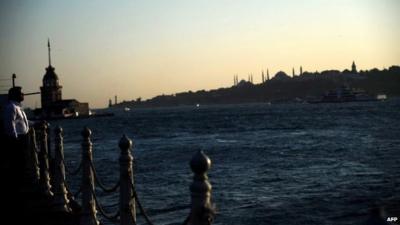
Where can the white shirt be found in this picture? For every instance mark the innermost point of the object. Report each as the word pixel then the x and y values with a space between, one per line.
pixel 15 121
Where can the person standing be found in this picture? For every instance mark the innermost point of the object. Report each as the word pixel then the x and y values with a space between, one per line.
pixel 16 125
pixel 15 134
pixel 15 131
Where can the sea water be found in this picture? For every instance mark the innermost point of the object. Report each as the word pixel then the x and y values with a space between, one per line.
pixel 281 164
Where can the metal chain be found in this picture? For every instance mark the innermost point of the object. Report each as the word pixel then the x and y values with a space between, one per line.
pixel 146 217
pixel 186 222
pixel 73 172
pixel 135 196
pixel 105 189
pixel 102 212
pixel 70 194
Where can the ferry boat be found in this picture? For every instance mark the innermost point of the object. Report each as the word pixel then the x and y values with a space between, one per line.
pixel 346 94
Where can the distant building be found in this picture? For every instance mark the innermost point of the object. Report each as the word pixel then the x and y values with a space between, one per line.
pixel 51 97
pixel 244 83
pixel 282 76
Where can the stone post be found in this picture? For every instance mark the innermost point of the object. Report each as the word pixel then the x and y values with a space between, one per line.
pixel 32 163
pixel 49 153
pixel 44 180
pixel 89 212
pixel 126 202
pixel 202 212
pixel 50 156
pixel 59 189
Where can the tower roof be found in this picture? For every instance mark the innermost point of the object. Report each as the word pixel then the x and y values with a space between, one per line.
pixel 50 74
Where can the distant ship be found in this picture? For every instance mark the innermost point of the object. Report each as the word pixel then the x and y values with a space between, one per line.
pixel 346 94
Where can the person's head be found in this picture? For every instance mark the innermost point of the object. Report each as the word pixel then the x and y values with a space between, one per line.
pixel 16 94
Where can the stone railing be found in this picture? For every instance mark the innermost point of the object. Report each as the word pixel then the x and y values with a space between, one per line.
pixel 48 174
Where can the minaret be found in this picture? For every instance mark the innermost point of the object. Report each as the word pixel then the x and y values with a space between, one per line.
pixel 262 76
pixel 115 99
pixel 251 78
pixel 293 72
pixel 301 70
pixel 267 74
pixel 353 67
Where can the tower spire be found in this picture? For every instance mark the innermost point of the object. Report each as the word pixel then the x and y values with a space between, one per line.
pixel 48 46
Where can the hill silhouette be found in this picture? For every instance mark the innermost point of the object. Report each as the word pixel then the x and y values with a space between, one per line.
pixel 283 88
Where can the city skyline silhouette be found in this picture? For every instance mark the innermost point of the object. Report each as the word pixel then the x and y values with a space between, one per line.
pixel 143 49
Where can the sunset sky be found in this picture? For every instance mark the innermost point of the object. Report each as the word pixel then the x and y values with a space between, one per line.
pixel 143 48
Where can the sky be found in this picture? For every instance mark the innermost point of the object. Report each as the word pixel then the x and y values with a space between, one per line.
pixel 144 48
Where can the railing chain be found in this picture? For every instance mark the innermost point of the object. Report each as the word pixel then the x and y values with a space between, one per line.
pixel 70 193
pixel 101 210
pixel 73 172
pixel 146 217
pixel 101 185
pixel 186 221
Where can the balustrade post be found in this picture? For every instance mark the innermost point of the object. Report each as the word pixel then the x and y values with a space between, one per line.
pixel 49 153
pixel 202 211
pixel 32 163
pixel 44 161
pixel 59 189
pixel 89 212
pixel 127 203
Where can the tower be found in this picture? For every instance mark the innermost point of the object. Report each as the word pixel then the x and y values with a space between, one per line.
pixel 353 68
pixel 267 74
pixel 293 72
pixel 51 89
pixel 301 70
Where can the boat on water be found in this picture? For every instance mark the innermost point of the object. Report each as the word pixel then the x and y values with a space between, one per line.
pixel 346 94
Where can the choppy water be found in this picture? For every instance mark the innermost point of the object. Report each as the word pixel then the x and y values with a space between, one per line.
pixel 308 164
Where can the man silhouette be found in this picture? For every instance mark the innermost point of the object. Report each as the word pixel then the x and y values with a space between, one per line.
pixel 16 127
pixel 16 124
